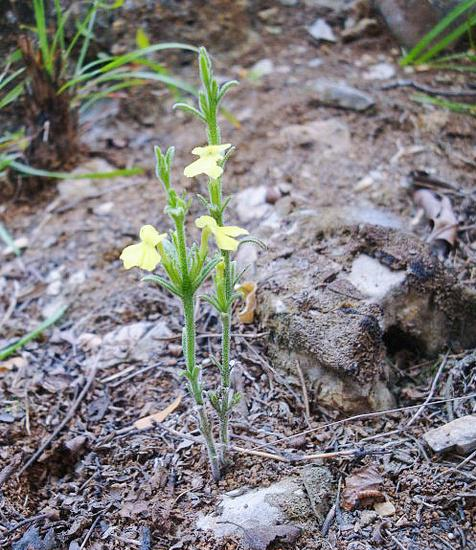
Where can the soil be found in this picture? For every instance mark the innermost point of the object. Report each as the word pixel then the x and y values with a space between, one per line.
pixel 99 486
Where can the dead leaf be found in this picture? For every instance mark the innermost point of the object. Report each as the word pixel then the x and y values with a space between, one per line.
pixel 439 211
pixel 259 538
pixel 13 363
pixel 149 421
pixel 133 509
pixel 247 314
pixel 362 488
pixel 384 509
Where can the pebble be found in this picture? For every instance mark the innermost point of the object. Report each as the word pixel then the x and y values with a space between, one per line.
pixel 380 71
pixel 459 435
pixel 321 30
pixel 263 67
pixel 340 94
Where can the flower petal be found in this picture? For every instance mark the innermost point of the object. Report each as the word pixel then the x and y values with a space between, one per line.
pixel 149 234
pixel 199 166
pixel 151 258
pixel 206 221
pixel 132 255
pixel 141 255
pixel 224 242
pixel 211 149
pixel 233 231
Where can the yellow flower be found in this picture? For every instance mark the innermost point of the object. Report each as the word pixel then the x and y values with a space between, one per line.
pixel 144 254
pixel 223 235
pixel 208 161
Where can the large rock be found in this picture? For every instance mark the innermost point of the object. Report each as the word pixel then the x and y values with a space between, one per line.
pixel 337 296
pixel 294 502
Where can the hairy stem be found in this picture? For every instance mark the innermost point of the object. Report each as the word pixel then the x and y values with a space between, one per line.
pixel 190 356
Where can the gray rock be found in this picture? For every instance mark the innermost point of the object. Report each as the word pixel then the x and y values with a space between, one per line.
pixel 339 94
pixel 335 308
pixel 459 435
pixel 410 20
pixel 321 30
pixel 296 500
pixel 252 508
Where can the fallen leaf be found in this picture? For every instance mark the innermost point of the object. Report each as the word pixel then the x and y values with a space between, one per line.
pixel 384 509
pixel 149 421
pixel 13 363
pixel 247 314
pixel 259 538
pixel 362 488
pixel 439 211
pixel 133 509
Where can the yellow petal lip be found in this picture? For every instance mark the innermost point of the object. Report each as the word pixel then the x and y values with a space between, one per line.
pixel 141 255
pixel 204 165
pixel 223 235
pixel 206 221
pixel 211 149
pixel 149 234
pixel 233 231
pixel 144 254
pixel 210 156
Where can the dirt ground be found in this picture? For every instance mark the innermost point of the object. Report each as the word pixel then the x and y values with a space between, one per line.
pixel 101 486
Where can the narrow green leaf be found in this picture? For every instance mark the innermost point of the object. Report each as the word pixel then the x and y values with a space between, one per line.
pixel 142 40
pixel 8 239
pixel 12 95
pixel 9 350
pixel 30 171
pixel 185 107
pixel 162 282
pixel 413 57
pixel 455 106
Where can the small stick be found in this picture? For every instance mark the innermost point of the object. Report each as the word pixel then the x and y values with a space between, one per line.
pixel 307 409
pixel 432 390
pixel 365 416
pixel 428 90
pixel 65 420
pixel 90 532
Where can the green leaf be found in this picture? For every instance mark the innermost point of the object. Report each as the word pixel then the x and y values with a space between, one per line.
pixel 42 34
pixel 30 171
pixel 12 95
pixel 8 239
pixel 225 88
pixel 416 56
pixel 457 107
pixel 205 272
pixel 189 109
pixel 142 40
pixel 162 282
pixel 9 350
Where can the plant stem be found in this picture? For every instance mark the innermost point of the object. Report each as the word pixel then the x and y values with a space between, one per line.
pixel 225 365
pixel 190 356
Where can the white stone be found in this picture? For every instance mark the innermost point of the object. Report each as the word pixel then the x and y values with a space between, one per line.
pixel 380 71
pixel 373 279
pixel 249 509
pixel 459 434
pixel 263 67
pixel 321 30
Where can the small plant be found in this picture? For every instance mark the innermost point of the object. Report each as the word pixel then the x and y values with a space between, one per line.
pixel 187 267
pixel 52 72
